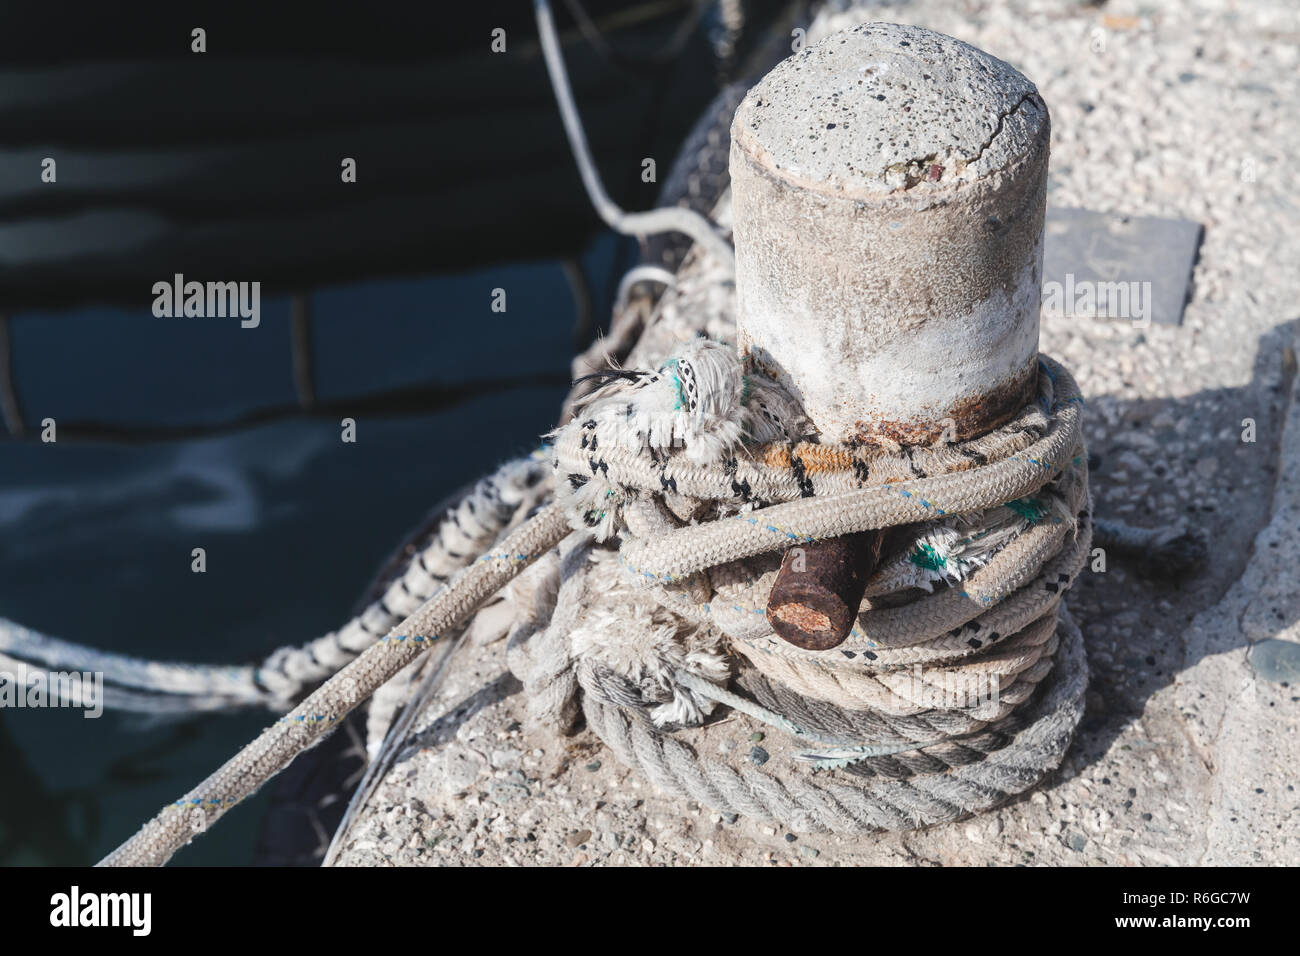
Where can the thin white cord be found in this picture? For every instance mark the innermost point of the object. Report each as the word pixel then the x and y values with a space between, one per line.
pixel 644 273
pixel 390 748
pixel 669 219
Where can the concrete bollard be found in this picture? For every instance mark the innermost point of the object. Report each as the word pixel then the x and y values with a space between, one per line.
pixel 888 193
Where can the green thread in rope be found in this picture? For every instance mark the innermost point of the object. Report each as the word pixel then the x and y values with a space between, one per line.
pixel 677 384
pixel 1031 508
pixel 925 556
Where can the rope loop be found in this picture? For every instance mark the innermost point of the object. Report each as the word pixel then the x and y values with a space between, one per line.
pixel 687 483
pixel 674 492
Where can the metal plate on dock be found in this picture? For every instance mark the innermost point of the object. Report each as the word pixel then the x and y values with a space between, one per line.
pixel 1127 268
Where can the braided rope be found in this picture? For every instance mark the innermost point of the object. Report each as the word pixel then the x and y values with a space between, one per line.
pixel 912 781
pixel 688 550
pixel 690 564
pixel 178 822
pixel 929 765
pixel 931 746
pixel 806 803
pixel 467 528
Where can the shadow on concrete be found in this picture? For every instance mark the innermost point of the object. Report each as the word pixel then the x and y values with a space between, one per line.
pixel 1134 623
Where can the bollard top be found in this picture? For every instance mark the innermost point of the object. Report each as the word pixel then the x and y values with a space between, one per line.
pixel 888 191
pixel 884 107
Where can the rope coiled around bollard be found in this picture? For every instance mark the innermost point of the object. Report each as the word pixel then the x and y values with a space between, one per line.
pixel 177 823
pixel 634 634
pixel 806 804
pixel 890 712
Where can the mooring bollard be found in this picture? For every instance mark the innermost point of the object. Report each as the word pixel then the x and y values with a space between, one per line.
pixel 888 192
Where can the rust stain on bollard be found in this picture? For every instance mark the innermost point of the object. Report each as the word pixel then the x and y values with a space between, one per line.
pixel 968 417
pixel 819 589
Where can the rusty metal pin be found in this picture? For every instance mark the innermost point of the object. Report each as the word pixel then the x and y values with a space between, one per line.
pixel 819 588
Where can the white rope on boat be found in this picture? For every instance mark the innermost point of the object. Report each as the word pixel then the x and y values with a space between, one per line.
pixel 468 528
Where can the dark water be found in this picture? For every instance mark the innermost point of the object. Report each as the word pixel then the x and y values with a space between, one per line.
pixel 96 537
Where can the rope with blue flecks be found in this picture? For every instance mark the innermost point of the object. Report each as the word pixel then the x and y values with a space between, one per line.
pixel 899 714
pixel 466 527
pixel 177 823
pixel 832 491
pixel 719 571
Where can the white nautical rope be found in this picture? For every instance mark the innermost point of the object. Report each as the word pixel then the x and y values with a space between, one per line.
pixel 692 523
pixel 631 674
pixel 667 219
pixel 178 822
pixel 639 274
pixel 679 513
pixel 466 530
